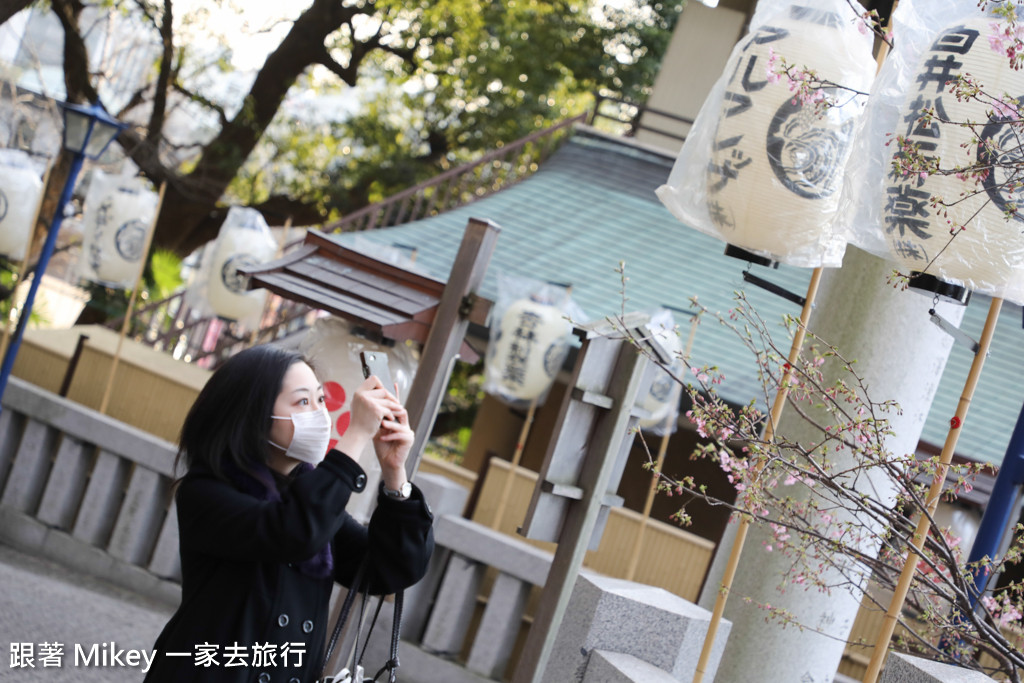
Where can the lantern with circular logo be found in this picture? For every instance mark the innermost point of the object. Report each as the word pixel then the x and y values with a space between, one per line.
pixel 118 215
pixel 988 254
pixel 20 192
pixel 763 166
pixel 244 240
pixel 526 351
pixel 661 399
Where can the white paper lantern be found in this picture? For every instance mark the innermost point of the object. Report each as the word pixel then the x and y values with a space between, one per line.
pixel 244 240
pixel 529 348
pixel 661 400
pixel 333 350
pixel 776 165
pixel 119 212
pixel 988 254
pixel 20 190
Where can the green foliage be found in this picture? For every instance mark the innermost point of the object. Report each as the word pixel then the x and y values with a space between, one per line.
pixel 481 74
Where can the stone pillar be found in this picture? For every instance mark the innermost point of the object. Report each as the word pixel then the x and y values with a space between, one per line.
pixel 901 355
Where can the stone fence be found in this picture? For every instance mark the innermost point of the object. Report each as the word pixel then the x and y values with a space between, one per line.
pixel 93 493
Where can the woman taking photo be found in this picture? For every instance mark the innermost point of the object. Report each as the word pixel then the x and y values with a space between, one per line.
pixel 262 525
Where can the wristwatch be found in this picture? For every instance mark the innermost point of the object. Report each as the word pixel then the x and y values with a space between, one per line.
pixel 401 494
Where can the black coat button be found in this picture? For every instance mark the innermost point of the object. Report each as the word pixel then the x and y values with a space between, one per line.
pixel 307 626
pixel 282 620
pixel 360 482
pixel 264 677
pixel 293 679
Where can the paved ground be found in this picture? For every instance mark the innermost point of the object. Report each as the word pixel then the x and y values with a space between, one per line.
pixel 42 602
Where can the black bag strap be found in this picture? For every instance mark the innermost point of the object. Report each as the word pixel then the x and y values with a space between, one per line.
pixel 391 666
pixel 346 607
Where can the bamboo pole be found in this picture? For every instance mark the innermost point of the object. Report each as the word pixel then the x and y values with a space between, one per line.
pixel 780 401
pixel 634 556
pixel 9 322
pixel 506 490
pixel 769 432
pixel 932 501
pixel 131 301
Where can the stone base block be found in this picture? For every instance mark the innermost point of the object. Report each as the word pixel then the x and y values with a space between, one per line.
pixel 900 668
pixel 614 667
pixel 647 623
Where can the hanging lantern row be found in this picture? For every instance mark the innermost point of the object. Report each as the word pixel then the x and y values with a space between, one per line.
pixel 20 191
pixel 891 213
pixel 527 350
pixel 660 402
pixel 244 240
pixel 118 214
pixel 761 169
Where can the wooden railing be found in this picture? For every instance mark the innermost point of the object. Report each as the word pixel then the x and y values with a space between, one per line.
pixel 185 333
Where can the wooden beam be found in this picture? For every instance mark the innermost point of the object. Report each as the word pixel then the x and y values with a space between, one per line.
pixel 447 332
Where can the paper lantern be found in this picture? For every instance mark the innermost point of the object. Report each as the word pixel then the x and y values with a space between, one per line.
pixel 761 170
pixel 244 240
pixel 661 400
pixel 333 350
pixel 776 165
pixel 20 190
pixel 987 256
pixel 119 212
pixel 526 353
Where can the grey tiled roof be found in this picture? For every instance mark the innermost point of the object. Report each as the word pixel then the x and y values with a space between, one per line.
pixel 592 206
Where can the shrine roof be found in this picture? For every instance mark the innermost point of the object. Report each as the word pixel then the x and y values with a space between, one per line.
pixel 592 206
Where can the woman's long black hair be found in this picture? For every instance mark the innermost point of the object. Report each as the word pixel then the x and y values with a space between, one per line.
pixel 230 419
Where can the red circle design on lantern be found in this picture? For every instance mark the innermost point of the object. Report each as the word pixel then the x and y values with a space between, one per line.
pixel 341 424
pixel 334 397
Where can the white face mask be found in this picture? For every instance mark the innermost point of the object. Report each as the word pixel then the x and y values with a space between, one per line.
pixel 311 436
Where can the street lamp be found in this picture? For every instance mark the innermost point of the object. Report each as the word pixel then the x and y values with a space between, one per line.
pixel 87 133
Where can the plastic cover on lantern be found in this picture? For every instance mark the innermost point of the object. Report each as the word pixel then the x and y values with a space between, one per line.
pixel 244 240
pixel 530 334
pixel 890 214
pixel 118 214
pixel 759 169
pixel 661 388
pixel 333 348
pixel 20 190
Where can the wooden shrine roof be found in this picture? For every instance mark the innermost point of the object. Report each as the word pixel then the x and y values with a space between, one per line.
pixel 384 300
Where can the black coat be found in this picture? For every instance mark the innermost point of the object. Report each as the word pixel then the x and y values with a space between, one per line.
pixel 244 576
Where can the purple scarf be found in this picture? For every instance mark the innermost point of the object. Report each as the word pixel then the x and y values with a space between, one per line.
pixel 262 485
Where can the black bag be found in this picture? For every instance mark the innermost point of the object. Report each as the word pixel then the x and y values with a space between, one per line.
pixel 353 673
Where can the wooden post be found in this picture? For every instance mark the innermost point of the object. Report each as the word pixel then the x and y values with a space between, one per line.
pixel 8 323
pixel 932 501
pixel 131 302
pixel 600 448
pixel 744 523
pixel 446 333
pixel 516 457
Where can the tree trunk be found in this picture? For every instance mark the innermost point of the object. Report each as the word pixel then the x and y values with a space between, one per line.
pixel 8 8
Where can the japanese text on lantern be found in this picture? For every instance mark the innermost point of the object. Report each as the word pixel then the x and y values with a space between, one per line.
pixel 906 214
pixel 524 337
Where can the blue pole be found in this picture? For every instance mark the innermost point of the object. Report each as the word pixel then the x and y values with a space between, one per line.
pixel 44 260
pixel 1000 508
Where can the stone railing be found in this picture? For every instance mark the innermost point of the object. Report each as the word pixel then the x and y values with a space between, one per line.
pixel 88 491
